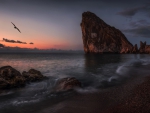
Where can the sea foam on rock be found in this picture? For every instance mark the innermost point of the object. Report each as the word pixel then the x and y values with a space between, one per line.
pixel 67 83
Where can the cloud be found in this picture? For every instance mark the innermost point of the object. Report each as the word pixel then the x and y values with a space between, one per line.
pixel 13 41
pixel 132 11
pixel 142 31
pixel 139 23
pixel 1 45
pixel 31 43
pixel 129 12
pixel 139 28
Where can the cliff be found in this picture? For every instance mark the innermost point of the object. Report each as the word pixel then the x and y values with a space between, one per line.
pixel 99 37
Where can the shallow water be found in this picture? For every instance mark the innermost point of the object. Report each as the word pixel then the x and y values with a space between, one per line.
pixel 95 72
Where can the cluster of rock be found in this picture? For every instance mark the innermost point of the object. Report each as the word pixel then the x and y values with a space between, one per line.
pixel 99 37
pixel 11 78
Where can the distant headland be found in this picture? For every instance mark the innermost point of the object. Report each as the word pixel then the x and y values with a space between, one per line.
pixel 99 37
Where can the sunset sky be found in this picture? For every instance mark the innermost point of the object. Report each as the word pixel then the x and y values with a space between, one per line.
pixel 56 23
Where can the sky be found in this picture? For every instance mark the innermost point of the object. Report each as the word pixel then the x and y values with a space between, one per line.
pixel 47 24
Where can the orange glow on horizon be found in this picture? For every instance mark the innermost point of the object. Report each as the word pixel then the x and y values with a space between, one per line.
pixel 41 39
pixel 42 45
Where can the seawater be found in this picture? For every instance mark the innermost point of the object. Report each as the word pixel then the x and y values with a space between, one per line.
pixel 94 71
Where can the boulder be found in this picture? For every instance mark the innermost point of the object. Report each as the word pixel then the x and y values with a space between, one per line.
pixel 10 77
pixel 68 83
pixel 32 75
pixel 99 37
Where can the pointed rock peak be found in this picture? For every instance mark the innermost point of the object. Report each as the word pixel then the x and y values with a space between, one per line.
pixel 99 37
pixel 88 13
pixel 91 16
pixel 142 45
pixel 135 45
pixel 141 42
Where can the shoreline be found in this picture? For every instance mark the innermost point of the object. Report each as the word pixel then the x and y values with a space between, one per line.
pixel 111 100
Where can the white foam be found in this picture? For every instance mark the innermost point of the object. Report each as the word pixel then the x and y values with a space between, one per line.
pixel 86 90
pixel 24 102
pixel 121 70
pixel 6 93
pixel 111 78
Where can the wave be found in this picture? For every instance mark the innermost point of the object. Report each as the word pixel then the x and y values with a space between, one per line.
pixel 15 103
pixel 86 90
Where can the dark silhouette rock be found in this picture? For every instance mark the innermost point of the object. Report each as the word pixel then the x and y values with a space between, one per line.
pixel 68 83
pixel 99 37
pixel 147 49
pixel 32 75
pixel 135 49
pixel 10 77
pixel 144 49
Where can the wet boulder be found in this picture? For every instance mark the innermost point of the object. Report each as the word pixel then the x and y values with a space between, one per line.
pixel 3 83
pixel 32 75
pixel 68 83
pixel 10 77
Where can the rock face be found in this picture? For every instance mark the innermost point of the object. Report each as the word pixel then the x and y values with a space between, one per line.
pixel 68 83
pixel 99 37
pixel 10 77
pixel 32 75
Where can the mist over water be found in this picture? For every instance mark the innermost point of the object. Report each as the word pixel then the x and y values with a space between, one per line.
pixel 95 72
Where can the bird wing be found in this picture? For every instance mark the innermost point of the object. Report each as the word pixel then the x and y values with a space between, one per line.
pixel 13 23
pixel 18 30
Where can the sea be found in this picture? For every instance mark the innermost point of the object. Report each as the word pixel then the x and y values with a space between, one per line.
pixel 96 72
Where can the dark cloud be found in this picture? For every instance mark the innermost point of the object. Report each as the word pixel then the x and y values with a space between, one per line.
pixel 1 45
pixel 13 41
pixel 139 23
pixel 31 43
pixel 140 31
pixel 132 11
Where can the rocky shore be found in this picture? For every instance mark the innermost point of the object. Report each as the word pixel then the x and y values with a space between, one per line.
pixel 99 37
pixel 130 97
pixel 12 78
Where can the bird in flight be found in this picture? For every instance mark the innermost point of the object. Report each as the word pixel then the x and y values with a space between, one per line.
pixel 16 27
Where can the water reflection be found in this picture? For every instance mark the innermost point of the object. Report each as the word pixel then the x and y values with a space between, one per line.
pixel 99 60
pixel 113 69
